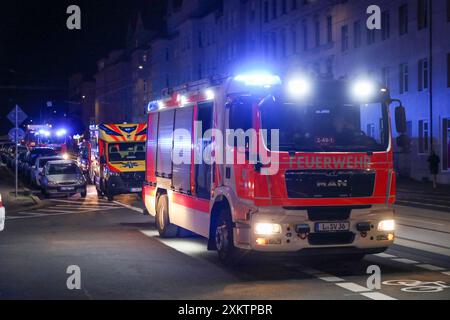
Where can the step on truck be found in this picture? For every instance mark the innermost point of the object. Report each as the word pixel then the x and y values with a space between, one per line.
pixel 118 153
pixel 257 163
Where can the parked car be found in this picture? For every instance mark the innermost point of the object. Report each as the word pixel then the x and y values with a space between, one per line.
pixel 31 157
pixel 4 149
pixel 38 167
pixel 2 215
pixel 63 177
pixel 11 158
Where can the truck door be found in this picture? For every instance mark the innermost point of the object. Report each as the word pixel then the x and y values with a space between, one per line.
pixel 203 171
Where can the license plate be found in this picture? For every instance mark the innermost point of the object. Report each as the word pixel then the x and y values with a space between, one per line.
pixel 136 189
pixel 67 188
pixel 332 226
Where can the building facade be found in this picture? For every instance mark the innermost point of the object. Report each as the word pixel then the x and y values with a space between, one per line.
pixel 328 38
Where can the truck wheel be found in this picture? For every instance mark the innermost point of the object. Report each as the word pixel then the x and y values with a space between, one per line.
pixel 224 240
pixel 109 196
pixel 165 228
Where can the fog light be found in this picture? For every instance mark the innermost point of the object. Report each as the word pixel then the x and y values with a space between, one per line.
pixel 262 242
pixel 267 229
pixel 386 225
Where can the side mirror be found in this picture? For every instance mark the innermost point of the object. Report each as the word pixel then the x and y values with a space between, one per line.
pixel 400 119
pixel 102 160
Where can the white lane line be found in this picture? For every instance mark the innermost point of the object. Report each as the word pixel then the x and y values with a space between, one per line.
pixel 331 279
pixel 51 210
pixel 406 261
pixel 87 202
pixel 385 255
pixel 37 216
pixel 353 287
pixel 377 296
pixel 78 208
pixel 141 211
pixel 430 267
pixel 447 273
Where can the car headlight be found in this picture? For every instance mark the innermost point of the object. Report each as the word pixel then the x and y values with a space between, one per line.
pixel 267 229
pixel 386 225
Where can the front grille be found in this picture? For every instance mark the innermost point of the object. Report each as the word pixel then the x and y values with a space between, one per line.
pixel 132 180
pixel 329 214
pixel 67 183
pixel 338 238
pixel 330 184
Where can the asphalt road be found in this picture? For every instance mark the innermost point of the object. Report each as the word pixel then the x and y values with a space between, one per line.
pixel 121 256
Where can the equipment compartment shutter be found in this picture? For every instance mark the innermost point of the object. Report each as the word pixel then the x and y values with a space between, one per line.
pixel 151 147
pixel 182 149
pixel 165 143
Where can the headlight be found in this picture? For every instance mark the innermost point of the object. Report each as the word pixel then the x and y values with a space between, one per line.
pixel 66 156
pixel 386 225
pixel 267 229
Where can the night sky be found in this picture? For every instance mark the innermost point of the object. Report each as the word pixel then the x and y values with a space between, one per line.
pixel 37 50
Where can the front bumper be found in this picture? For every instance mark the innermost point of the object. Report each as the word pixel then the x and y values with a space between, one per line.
pixel 289 240
pixel 65 189
pixel 126 184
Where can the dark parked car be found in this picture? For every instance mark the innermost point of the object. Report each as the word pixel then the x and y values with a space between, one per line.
pixel 31 157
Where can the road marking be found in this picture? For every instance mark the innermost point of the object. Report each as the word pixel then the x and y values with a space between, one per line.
pixel 331 279
pixel 447 273
pixel 406 261
pixel 38 216
pixel 353 287
pixel 141 211
pixel 377 296
pixel 430 267
pixel 385 255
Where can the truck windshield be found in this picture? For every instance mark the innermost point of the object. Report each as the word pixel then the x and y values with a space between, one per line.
pixel 118 152
pixel 327 128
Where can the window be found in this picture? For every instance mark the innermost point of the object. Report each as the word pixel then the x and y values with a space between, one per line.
pixel 294 40
pixel 403 19
pixel 385 25
pixel 305 35
pixel 423 74
pixel 404 78
pixel 283 43
pixel 329 29
pixel 448 70
pixel 371 130
pixel 357 33
pixel 317 31
pixel 386 77
pixel 422 14
pixel 370 36
pixel 424 137
pixel 344 38
pixel 446 144
pixel 274 9
pixel 266 11
pixel 448 10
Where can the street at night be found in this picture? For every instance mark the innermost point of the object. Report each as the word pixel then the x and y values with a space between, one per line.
pixel 214 151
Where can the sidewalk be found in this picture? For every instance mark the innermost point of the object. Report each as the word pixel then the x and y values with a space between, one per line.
pixel 25 200
pixel 422 195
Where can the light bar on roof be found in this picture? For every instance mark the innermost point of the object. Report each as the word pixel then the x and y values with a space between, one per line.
pixel 258 79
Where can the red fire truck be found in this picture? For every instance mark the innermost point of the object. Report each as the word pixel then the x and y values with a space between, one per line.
pixel 316 173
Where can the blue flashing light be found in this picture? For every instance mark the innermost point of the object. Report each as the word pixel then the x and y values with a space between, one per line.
pixel 61 132
pixel 259 79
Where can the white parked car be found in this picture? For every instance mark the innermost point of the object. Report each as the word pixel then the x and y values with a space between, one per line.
pixel 2 215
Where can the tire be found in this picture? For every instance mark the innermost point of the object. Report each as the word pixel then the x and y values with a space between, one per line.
pixel 84 193
pixel 109 196
pixel 165 228
pixel 224 240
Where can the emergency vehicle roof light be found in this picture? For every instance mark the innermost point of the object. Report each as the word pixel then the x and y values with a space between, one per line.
pixel 363 89
pixel 61 132
pixel 259 79
pixel 299 88
pixel 210 95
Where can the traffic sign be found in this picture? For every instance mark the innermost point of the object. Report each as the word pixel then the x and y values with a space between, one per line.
pixel 17 114
pixel 16 132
